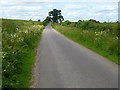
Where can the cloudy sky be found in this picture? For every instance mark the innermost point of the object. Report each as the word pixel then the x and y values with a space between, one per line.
pixel 73 10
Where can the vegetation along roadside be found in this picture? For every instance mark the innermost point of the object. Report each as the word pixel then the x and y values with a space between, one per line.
pixel 19 40
pixel 99 37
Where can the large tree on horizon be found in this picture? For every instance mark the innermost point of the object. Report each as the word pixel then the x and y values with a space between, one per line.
pixel 55 16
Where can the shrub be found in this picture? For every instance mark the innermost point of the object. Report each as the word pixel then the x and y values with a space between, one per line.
pixel 66 23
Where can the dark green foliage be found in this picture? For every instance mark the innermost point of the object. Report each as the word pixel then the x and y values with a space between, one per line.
pixel 66 23
pixel 39 20
pixel 55 16
pixel 45 22
pixel 94 21
pixel 79 20
pixel 84 25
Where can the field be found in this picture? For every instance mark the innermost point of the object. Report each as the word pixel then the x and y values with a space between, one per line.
pixel 99 37
pixel 19 40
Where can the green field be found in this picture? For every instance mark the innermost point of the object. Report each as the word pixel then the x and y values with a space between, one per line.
pixel 99 37
pixel 19 40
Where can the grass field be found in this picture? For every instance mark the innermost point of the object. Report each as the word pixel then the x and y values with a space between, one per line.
pixel 19 40
pixel 99 37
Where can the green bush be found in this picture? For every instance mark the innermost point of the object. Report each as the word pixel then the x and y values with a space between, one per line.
pixel 66 23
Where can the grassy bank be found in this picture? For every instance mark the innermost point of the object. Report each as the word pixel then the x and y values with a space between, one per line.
pixel 19 40
pixel 99 37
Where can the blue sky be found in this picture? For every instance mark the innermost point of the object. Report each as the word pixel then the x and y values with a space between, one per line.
pixel 73 10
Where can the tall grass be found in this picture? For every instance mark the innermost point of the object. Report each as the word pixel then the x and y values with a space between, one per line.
pixel 99 37
pixel 0 53
pixel 19 39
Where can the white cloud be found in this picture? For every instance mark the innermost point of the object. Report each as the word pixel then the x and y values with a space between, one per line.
pixel 23 12
pixel 21 9
pixel 74 7
pixel 73 14
pixel 38 9
pixel 13 2
pixel 98 14
pixel 25 8
pixel 87 1
pixel 105 8
pixel 101 12
pixel 49 6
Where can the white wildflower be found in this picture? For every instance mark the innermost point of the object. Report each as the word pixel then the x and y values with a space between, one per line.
pixel 95 38
pixel 117 38
pixel 101 32
pixel 26 31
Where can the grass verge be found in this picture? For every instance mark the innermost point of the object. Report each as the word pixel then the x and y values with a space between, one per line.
pixel 19 40
pixel 104 42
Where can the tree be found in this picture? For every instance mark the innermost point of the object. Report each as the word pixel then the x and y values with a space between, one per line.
pixel 94 21
pixel 39 20
pixel 55 16
pixel 79 20
pixel 30 20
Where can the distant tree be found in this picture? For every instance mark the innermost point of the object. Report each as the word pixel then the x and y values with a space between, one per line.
pixel 49 19
pixel 94 21
pixel 46 21
pixel 30 20
pixel 79 20
pixel 55 16
pixel 118 21
pixel 39 20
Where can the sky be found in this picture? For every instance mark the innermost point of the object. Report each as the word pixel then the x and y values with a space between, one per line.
pixel 72 10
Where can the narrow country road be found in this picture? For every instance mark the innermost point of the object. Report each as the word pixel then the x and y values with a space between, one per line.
pixel 62 63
